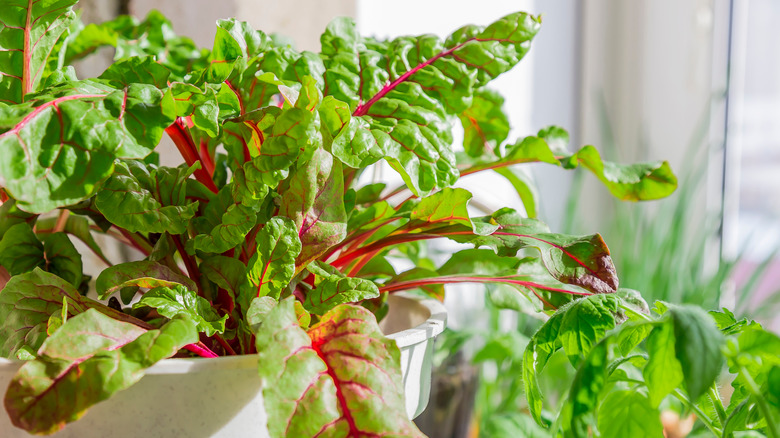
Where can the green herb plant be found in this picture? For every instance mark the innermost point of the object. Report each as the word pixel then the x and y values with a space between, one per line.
pixel 263 241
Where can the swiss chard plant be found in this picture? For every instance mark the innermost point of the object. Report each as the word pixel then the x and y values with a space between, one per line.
pixel 268 239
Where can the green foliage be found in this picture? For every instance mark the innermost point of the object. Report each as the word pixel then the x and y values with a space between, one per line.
pixel 284 247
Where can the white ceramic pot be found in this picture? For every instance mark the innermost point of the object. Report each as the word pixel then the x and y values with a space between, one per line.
pixel 198 398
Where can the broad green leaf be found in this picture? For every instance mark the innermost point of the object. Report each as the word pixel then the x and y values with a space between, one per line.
pixel 179 300
pixel 663 372
pixel 447 207
pixel 139 199
pixel 323 380
pixel 200 105
pixel 11 215
pixel 227 273
pixel 142 273
pixel 404 90
pixel 332 288
pixel 542 345
pixel 85 361
pixel 141 70
pixel 258 308
pixel 584 323
pixel 632 334
pixel 484 123
pixel 236 223
pixel 29 32
pixel 21 251
pixel 273 265
pixel 626 413
pixel 27 302
pixel 697 343
pixel 480 262
pixel 61 145
pixel 314 201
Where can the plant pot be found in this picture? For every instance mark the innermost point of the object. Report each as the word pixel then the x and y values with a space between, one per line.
pixel 223 397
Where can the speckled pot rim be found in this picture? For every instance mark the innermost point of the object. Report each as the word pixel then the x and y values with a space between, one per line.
pixel 433 326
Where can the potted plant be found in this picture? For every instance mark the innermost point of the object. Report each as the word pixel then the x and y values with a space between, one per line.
pixel 267 247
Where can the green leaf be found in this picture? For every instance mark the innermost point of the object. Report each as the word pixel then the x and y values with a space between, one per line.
pixel 698 344
pixel 402 92
pixel 29 33
pixel 524 187
pixel 236 223
pixel 321 380
pixel 485 125
pixel 584 323
pixel 332 288
pixel 21 251
pixel 142 273
pixel 229 274
pixel 178 300
pixel 11 215
pixel 272 267
pixel 142 200
pixel 141 70
pixel 590 380
pixel 627 413
pixel 76 226
pixel 62 258
pixel 582 261
pixel 314 201
pixel 576 328
pixel 61 145
pixel 663 372
pixel 28 301
pixel 85 361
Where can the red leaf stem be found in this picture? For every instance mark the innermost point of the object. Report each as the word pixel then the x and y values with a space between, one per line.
pixel 181 138
pixel 411 284
pixel 362 109
pixel 201 350
pixel 189 263
pixel 135 241
pixel 225 345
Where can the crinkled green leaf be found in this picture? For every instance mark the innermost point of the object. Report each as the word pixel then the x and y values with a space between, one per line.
pixel 273 265
pixel 27 302
pixel 85 361
pixel 62 258
pixel 143 199
pixel 484 123
pixel 179 300
pixel 140 70
pixel 143 273
pixel 153 36
pixel 314 201
pixel 28 35
pixel 236 223
pixel 332 288
pixel 576 328
pixel 324 380
pixel 61 145
pixel 200 105
pixel 404 90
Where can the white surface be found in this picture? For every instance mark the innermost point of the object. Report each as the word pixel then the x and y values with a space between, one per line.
pixel 198 398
